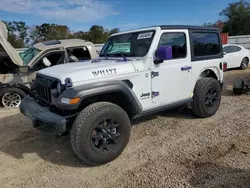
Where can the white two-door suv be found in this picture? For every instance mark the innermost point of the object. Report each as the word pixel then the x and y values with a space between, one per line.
pixel 236 56
pixel 139 72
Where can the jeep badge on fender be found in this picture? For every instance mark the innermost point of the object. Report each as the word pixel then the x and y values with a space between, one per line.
pixel 145 95
pixel 97 107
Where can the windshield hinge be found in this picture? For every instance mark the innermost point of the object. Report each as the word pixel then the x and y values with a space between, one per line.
pixel 154 74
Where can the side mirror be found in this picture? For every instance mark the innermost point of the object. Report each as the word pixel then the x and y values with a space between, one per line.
pixel 46 62
pixel 163 53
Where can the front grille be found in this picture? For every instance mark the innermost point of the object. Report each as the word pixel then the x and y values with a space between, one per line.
pixel 43 86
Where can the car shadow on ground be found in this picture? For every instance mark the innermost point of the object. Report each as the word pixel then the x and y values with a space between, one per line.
pixel 228 92
pixel 206 175
pixel 24 139
pixel 21 142
pixel 58 150
pixel 184 112
pixel 179 112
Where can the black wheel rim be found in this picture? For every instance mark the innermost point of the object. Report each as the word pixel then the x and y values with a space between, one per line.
pixel 211 98
pixel 105 135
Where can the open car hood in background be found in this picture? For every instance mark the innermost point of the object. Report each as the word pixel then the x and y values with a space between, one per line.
pixel 10 50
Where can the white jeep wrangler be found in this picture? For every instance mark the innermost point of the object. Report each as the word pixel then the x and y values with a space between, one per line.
pixel 139 72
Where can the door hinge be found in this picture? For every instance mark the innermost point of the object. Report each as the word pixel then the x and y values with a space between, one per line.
pixel 154 74
pixel 155 94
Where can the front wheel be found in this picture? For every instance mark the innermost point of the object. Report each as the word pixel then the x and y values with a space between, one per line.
pixel 207 97
pixel 11 97
pixel 100 133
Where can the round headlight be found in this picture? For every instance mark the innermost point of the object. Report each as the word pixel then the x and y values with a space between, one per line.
pixel 58 88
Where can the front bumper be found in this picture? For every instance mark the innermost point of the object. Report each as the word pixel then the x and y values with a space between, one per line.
pixel 42 118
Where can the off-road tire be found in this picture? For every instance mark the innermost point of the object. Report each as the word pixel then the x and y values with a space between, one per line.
pixel 244 61
pixel 201 88
pixel 80 134
pixel 5 90
pixel 239 86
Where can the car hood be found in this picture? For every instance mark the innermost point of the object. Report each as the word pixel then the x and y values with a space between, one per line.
pixel 10 50
pixel 88 70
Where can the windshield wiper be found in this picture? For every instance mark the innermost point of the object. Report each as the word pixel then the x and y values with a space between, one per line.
pixel 105 55
pixel 124 57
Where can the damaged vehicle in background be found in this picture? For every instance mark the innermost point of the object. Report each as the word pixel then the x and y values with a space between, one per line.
pixel 20 68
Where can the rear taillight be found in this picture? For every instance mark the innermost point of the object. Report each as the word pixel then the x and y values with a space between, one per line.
pixel 224 66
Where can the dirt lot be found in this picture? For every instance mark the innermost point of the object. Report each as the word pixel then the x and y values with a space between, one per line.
pixel 171 149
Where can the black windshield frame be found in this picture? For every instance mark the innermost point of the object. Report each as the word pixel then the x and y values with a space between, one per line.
pixel 135 43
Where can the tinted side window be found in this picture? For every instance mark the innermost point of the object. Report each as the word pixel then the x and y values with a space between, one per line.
pixel 205 44
pixel 231 49
pixel 227 49
pixel 178 43
pixel 236 48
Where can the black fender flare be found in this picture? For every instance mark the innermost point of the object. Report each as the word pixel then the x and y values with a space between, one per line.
pixel 22 87
pixel 99 88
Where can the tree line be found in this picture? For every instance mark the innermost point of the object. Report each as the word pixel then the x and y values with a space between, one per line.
pixel 21 35
pixel 236 21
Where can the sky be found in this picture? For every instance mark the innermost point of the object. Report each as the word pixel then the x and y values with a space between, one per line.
pixel 123 14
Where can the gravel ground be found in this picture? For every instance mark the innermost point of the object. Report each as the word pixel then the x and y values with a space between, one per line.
pixel 171 149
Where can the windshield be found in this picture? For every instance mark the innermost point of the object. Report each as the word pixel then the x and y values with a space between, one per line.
pixel 129 45
pixel 28 55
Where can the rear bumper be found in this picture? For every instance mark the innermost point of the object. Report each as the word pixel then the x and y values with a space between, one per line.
pixel 42 118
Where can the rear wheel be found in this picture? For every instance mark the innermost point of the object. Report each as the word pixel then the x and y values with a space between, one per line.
pixel 100 133
pixel 11 97
pixel 244 63
pixel 207 97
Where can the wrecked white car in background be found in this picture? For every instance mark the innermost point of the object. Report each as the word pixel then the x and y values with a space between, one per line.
pixel 20 67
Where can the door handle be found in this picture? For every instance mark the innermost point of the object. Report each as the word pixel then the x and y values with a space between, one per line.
pixel 186 68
